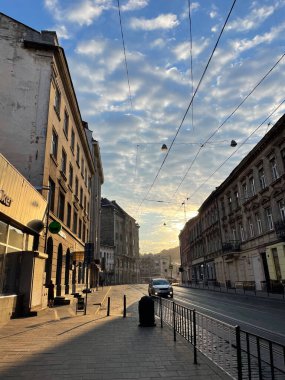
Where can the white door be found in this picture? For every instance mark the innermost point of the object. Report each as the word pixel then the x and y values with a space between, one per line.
pixel 257 271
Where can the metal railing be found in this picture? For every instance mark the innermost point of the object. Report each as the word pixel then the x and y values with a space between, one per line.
pixel 240 354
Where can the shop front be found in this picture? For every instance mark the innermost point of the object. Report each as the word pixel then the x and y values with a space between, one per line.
pixel 22 266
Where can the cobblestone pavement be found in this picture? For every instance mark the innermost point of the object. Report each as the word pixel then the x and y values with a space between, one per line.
pixel 60 344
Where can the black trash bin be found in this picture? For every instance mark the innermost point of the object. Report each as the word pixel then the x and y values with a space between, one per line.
pixel 146 312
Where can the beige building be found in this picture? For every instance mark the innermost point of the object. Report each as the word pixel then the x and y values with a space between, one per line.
pixel 22 263
pixel 239 233
pixel 44 137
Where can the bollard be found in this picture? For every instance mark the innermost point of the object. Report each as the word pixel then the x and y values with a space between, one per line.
pixel 108 307
pixel 125 308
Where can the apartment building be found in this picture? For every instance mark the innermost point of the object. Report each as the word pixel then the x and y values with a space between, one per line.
pixel 120 230
pixel 45 138
pixel 239 232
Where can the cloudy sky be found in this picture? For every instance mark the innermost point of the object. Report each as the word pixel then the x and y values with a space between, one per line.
pixel 177 92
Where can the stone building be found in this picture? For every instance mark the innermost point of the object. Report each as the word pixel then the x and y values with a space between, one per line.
pixel 120 230
pixel 158 265
pixel 239 232
pixel 45 138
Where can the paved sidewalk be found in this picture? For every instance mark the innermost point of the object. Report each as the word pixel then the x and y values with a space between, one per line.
pixel 58 344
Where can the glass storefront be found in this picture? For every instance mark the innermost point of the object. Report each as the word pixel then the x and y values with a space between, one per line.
pixel 12 242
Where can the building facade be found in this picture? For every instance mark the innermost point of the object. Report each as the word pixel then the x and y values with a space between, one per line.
pixel 158 265
pixel 22 265
pixel 45 138
pixel 239 233
pixel 120 230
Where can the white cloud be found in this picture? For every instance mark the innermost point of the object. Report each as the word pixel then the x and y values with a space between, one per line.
pixel 246 44
pixel 91 48
pixel 158 43
pixel 182 51
pixel 253 20
pixel 62 32
pixel 133 5
pixel 213 14
pixel 165 21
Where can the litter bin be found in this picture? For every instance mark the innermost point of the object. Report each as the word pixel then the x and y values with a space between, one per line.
pixel 80 306
pixel 146 312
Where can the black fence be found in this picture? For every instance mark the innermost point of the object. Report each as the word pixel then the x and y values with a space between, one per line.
pixel 240 354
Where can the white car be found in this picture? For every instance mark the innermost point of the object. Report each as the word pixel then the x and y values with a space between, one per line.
pixel 160 287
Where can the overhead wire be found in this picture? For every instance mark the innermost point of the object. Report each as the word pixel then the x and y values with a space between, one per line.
pixel 244 142
pixel 226 120
pixel 190 103
pixel 191 60
pixel 224 162
pixel 124 48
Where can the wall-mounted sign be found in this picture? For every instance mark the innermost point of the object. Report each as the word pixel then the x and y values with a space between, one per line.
pixel 4 199
pixel 54 227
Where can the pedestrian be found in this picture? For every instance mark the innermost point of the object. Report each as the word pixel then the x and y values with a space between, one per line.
pixel 50 294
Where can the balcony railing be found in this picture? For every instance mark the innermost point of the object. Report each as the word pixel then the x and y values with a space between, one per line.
pixel 231 246
pixel 280 229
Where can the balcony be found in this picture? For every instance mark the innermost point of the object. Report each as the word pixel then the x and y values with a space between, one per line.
pixel 280 229
pixel 231 246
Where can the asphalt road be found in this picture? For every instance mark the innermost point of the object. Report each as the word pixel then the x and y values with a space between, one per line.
pixel 261 316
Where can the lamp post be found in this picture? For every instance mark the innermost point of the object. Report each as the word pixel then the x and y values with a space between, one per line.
pixel 47 213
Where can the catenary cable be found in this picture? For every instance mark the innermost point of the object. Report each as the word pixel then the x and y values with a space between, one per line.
pixel 226 120
pixel 189 105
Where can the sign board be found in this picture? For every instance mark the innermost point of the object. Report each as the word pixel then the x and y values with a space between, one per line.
pixel 54 227
pixel 170 266
pixel 88 252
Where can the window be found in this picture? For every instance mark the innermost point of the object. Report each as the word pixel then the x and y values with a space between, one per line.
pixel 281 206
pixel 76 187
pixel 84 205
pixel 252 186
pixel 84 233
pixel 54 144
pixel 78 155
pixel 65 123
pixel 68 221
pixel 269 219
pixel 61 202
pixel 242 234
pixel 234 234
pixel 82 167
pixel 63 162
pixel 262 180
pixel 283 157
pixel 223 208
pixel 81 196
pixel 237 198
pixel 89 183
pixel 80 229
pixel 258 223
pixel 274 170
pixel 88 208
pixel 70 177
pixel 244 191
pixel 250 227
pixel 72 140
pixel 57 100
pixel 74 228
pixel 51 194
pixel 85 177
pixel 230 203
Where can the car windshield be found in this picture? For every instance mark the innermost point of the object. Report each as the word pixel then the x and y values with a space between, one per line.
pixel 160 282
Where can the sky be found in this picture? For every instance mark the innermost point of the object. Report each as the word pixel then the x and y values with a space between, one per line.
pixel 193 75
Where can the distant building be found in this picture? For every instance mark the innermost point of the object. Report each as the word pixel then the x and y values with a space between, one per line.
pixel 120 230
pixel 239 233
pixel 107 260
pixel 156 265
